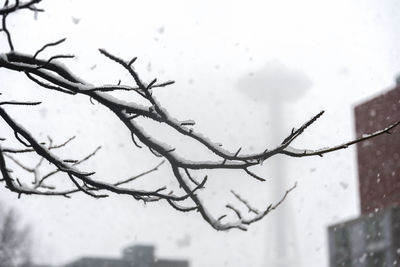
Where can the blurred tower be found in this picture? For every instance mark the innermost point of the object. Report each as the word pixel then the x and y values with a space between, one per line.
pixel 276 86
pixel 283 251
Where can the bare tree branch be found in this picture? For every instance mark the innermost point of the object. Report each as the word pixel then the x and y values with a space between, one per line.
pixel 48 45
pixel 17 6
pixel 7 32
pixel 50 74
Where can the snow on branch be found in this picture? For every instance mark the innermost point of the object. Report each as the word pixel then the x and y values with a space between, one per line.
pixel 51 74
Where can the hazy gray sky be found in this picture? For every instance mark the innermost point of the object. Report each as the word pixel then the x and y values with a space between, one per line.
pixel 330 54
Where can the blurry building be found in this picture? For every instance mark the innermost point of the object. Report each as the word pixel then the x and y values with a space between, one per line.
pixel 370 240
pixel 373 239
pixel 379 158
pixel 134 256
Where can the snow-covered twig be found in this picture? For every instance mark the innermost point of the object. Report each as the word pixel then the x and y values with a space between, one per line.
pixel 51 74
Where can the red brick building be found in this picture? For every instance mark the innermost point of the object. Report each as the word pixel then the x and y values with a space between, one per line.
pixel 379 158
pixel 373 239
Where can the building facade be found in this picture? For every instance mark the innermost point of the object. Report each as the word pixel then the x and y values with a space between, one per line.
pixel 379 158
pixel 370 240
pixel 373 239
pixel 134 256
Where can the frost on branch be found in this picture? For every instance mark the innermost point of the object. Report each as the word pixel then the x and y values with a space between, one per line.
pixel 50 74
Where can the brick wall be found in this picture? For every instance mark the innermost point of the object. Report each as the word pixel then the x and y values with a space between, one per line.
pixel 379 158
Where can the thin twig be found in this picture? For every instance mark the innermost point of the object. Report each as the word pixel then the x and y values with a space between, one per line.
pixel 48 45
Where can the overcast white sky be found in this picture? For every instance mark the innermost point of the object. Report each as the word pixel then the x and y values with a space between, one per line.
pixel 228 58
